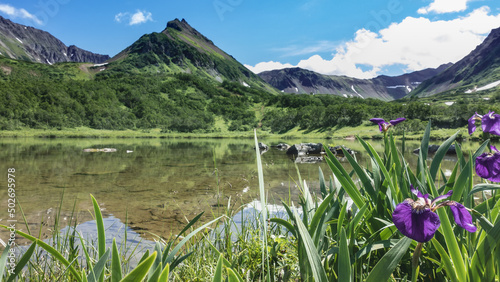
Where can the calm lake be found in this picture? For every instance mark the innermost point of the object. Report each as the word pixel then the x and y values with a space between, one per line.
pixel 155 185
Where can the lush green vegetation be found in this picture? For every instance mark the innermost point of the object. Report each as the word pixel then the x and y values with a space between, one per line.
pixel 342 233
pixel 76 95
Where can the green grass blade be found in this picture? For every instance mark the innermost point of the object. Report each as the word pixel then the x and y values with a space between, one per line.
pixel 483 187
pixel 438 157
pixel 445 259
pixel 451 243
pixel 480 150
pixel 233 276
pixel 3 260
pixel 98 269
pixel 320 212
pixel 55 254
pixel 313 257
pixel 141 271
pixel 385 267
pixel 164 274
pixel 263 202
pixel 344 258
pixel 461 183
pixel 286 224
pixel 21 263
pixel 375 246
pixel 351 190
pixel 365 179
pixel 116 264
pixel 218 269
pixel 174 251
pixel 424 146
pixel 155 276
pixel 101 236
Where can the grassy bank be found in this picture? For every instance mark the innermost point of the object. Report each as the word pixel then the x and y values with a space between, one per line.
pixel 365 131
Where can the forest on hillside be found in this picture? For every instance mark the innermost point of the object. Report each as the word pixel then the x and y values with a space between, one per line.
pixel 45 98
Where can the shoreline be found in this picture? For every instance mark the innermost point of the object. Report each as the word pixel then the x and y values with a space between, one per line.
pixel 363 131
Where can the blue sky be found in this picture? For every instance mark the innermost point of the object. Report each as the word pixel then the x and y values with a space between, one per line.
pixel 358 38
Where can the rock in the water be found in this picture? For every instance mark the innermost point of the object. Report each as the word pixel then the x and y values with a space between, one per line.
pixel 308 159
pixel 282 146
pixel 105 150
pixel 337 150
pixel 305 149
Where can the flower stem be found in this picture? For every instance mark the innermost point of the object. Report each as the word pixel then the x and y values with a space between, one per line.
pixel 414 261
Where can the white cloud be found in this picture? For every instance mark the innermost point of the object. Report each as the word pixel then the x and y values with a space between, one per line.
pixel 138 17
pixel 264 66
pixel 445 6
pixel 19 13
pixel 415 43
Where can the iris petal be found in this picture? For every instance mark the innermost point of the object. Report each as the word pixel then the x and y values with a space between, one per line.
pixel 417 225
pixel 491 123
pixel 396 121
pixel 488 166
pixel 472 123
pixel 462 217
pixel 447 195
pixel 380 122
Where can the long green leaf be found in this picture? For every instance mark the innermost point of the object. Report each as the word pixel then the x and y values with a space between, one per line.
pixel 51 251
pixel 263 202
pixel 3 259
pixel 448 266
pixel 483 187
pixel 232 276
pixel 351 190
pixel 312 254
pixel 424 146
pixel 116 264
pixel 451 243
pixel 375 246
pixel 367 183
pixel 385 267
pixel 438 157
pixel 286 224
pixel 98 268
pixel 101 236
pixel 164 274
pixel 141 271
pixel 172 254
pixel 21 263
pixel 344 258
pixel 218 271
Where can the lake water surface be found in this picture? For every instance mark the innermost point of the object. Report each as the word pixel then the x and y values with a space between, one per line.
pixel 155 185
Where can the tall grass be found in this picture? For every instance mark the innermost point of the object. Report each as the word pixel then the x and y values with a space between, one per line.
pixel 344 232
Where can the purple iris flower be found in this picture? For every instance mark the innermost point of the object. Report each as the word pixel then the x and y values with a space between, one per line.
pixel 418 220
pixel 488 165
pixel 383 125
pixel 490 123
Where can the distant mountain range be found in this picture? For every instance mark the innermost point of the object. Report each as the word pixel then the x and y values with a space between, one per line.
pixel 477 69
pixel 182 49
pixel 301 81
pixel 30 44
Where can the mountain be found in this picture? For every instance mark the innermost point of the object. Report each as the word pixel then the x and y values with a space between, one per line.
pixel 297 80
pixel 182 49
pixel 478 68
pixel 30 44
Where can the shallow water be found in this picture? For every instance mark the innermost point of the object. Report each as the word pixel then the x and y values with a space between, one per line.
pixel 156 185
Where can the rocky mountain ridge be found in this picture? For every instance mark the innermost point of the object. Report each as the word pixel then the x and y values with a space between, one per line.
pixel 480 67
pixel 301 81
pixel 31 44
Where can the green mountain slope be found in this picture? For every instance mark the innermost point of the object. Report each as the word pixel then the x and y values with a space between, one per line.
pixel 182 49
pixel 480 67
